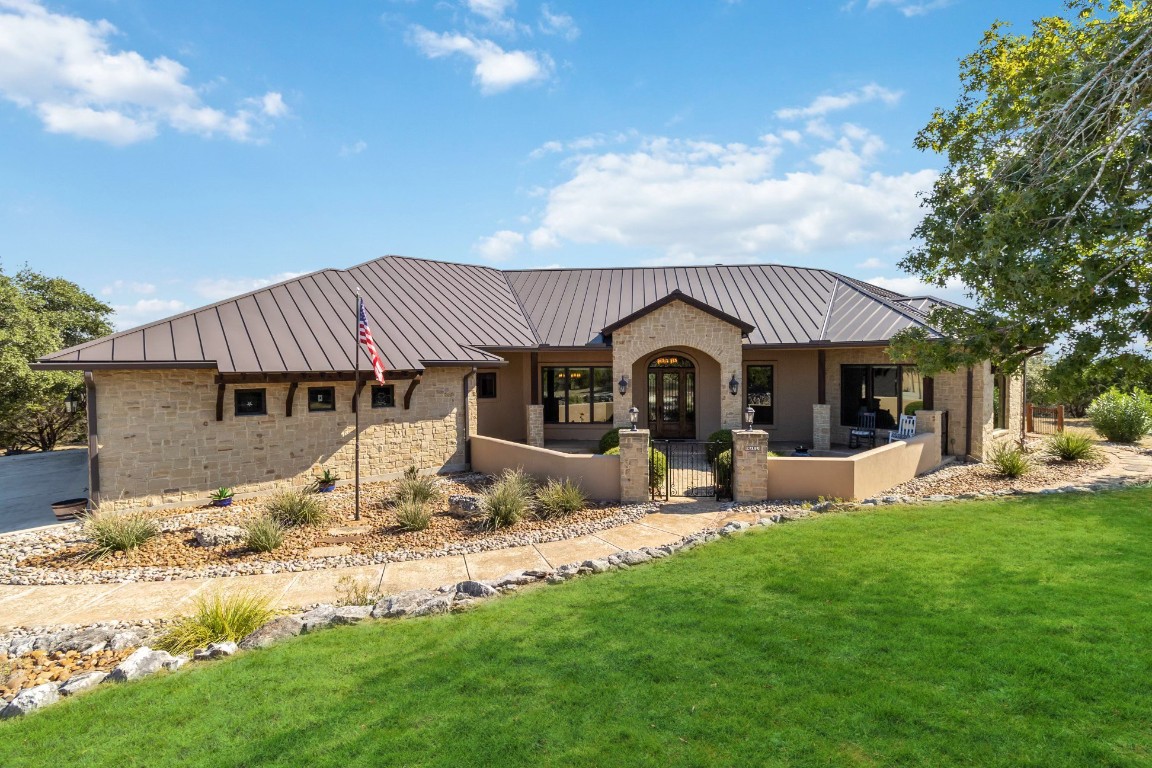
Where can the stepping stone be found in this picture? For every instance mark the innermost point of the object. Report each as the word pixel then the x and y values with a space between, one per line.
pixel 337 551
pixel 340 539
pixel 348 530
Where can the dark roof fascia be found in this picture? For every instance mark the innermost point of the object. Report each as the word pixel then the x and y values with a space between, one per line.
pixel 82 365
pixel 820 344
pixel 678 295
pixel 464 363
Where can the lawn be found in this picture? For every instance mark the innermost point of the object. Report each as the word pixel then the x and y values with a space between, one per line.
pixel 999 633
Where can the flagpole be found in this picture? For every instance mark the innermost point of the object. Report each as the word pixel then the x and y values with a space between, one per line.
pixel 356 400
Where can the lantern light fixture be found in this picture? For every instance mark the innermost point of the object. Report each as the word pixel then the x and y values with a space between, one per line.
pixel 734 385
pixel 749 417
pixel 633 416
pixel 623 384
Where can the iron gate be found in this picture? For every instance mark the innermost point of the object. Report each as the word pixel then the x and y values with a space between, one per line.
pixel 690 468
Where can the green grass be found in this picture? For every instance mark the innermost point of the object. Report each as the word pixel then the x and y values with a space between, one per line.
pixel 999 633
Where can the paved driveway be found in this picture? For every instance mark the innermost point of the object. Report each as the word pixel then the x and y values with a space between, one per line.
pixel 31 482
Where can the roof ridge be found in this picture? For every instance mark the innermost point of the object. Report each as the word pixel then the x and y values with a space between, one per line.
pixel 896 305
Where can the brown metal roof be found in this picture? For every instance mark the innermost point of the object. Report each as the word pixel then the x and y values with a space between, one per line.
pixel 437 313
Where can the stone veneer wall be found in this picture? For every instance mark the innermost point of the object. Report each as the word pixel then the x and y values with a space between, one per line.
pixel 676 325
pixel 160 442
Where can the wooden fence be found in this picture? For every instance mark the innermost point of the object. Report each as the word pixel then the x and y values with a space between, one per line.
pixel 1044 419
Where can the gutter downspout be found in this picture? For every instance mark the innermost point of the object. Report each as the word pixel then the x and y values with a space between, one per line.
pixel 467 418
pixel 93 442
pixel 1023 401
pixel 968 417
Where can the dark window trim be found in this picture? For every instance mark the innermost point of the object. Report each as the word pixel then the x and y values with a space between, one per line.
pixel 263 400
pixel 330 390
pixel 486 376
pixel 900 368
pixel 377 388
pixel 999 409
pixel 592 390
pixel 771 393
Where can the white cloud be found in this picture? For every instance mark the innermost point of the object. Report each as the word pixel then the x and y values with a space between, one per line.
pixel 822 105
pixel 493 10
pixel 910 7
pixel 229 287
pixel 65 69
pixel 581 144
pixel 145 311
pixel 556 23
pixel 501 246
pixel 348 150
pixel 871 263
pixel 911 286
pixel 698 202
pixel 495 68
pixel 126 286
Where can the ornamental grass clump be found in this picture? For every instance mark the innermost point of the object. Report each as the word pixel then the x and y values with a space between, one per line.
pixel 559 499
pixel 1009 460
pixel 507 501
pixel 414 487
pixel 118 533
pixel 1120 417
pixel 412 515
pixel 295 508
pixel 218 618
pixel 1071 446
pixel 263 534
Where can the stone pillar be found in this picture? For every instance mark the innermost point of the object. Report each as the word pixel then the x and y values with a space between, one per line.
pixel 536 426
pixel 634 466
pixel 822 427
pixel 928 422
pixel 749 465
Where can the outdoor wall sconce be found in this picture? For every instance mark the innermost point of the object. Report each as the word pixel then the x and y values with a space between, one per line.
pixel 623 384
pixel 734 385
pixel 749 417
pixel 72 404
pixel 633 416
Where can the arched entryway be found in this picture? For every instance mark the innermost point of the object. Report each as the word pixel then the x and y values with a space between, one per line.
pixel 672 396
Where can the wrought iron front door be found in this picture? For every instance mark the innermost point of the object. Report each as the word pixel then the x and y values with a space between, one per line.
pixel 672 399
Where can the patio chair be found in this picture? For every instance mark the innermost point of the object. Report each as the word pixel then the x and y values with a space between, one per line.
pixel 906 429
pixel 865 429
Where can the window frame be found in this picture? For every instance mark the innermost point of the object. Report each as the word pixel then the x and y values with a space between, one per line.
pixel 332 394
pixel 771 366
pixel 869 388
pixel 381 388
pixel 999 401
pixel 486 376
pixel 238 393
pixel 592 391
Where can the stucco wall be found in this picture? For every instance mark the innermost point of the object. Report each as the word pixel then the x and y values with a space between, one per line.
pixel 795 379
pixel 852 477
pixel 598 476
pixel 160 441
pixel 504 416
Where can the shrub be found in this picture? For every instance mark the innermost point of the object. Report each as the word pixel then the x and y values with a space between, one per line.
pixel 412 515
pixel 559 499
pixel 1009 460
pixel 1071 446
pixel 507 500
pixel 718 442
pixel 610 440
pixel 911 408
pixel 353 591
pixel 1120 417
pixel 614 451
pixel 657 463
pixel 263 534
pixel 218 618
pixel 415 487
pixel 295 508
pixel 723 469
pixel 118 533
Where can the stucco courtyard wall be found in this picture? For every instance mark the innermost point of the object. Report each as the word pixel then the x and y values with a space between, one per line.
pixel 160 443
pixel 852 477
pixel 598 476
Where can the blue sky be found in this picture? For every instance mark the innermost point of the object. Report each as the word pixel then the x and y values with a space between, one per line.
pixel 167 154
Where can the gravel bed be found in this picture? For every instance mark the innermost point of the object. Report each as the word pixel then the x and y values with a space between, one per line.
pixel 969 478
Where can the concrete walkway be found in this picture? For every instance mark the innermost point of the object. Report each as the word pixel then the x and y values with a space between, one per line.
pixel 31 482
pixel 89 603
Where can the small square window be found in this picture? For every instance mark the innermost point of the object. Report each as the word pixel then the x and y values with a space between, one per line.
pixel 384 396
pixel 251 402
pixel 486 385
pixel 321 398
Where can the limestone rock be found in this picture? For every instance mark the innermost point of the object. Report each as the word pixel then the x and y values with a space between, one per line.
pixel 463 506
pixel 437 605
pixel 91 640
pixel 475 589
pixel 82 682
pixel 216 651
pixel 124 640
pixel 596 566
pixel 318 618
pixel 278 629
pixel 350 614
pixel 633 557
pixel 31 699
pixel 219 535
pixel 405 603
pixel 514 579
pixel 143 662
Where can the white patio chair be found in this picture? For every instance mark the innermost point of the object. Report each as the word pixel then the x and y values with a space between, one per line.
pixel 904 430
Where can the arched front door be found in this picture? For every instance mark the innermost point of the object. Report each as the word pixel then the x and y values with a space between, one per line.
pixel 672 397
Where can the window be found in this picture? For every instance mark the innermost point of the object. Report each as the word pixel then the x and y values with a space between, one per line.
pixel 999 401
pixel 759 393
pixel 486 385
pixel 251 402
pixel 886 390
pixel 384 396
pixel 321 398
pixel 576 395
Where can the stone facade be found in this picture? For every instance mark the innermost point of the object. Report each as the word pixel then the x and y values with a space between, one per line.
pixel 634 466
pixel 677 325
pixel 536 425
pixel 821 426
pixel 749 466
pixel 160 442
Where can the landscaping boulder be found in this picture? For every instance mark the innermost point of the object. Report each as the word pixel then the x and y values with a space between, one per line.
pixel 350 614
pixel 87 641
pixel 143 662
pixel 514 579
pixel 216 651
pixel 124 640
pixel 219 535
pixel 318 618
pixel 633 557
pixel 279 628
pixel 82 683
pixel 31 699
pixel 596 566
pixel 475 589
pixel 463 506
pixel 414 602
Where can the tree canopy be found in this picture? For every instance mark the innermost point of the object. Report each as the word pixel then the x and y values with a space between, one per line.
pixel 39 315
pixel 1042 211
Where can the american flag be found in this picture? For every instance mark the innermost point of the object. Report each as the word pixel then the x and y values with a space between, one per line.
pixel 370 345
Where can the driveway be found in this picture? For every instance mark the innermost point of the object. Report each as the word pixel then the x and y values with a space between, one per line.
pixel 31 482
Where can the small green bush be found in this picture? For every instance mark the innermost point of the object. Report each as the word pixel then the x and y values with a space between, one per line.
pixel 412 515
pixel 1071 446
pixel 118 532
pixel 1120 417
pixel 263 534
pixel 1009 460
pixel 723 469
pixel 911 408
pixel 657 463
pixel 353 591
pixel 614 451
pixel 295 508
pixel 218 618
pixel 559 499
pixel 416 487
pixel 718 442
pixel 507 500
pixel 610 440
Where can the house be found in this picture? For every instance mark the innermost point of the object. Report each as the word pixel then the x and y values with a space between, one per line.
pixel 259 391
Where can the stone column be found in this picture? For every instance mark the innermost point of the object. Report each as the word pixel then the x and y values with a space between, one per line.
pixel 634 466
pixel 928 422
pixel 822 427
pixel 536 426
pixel 749 465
